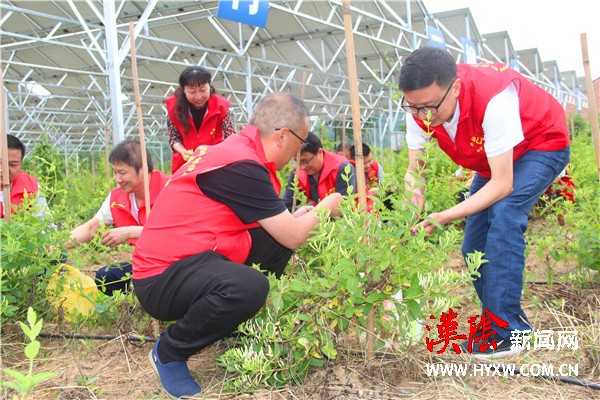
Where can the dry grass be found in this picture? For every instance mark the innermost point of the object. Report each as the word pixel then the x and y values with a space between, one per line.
pixel 118 369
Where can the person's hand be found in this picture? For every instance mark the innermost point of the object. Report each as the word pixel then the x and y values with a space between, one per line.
pixel 417 199
pixel 302 210
pixel 116 236
pixel 187 154
pixel 429 226
pixel 332 203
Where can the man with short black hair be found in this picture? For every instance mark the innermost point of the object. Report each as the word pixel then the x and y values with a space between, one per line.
pixel 22 185
pixel 321 173
pixel 491 119
pixel 373 170
pixel 125 208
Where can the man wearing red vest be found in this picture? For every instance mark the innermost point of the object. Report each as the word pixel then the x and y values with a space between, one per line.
pixel 373 170
pixel 491 119
pixel 321 173
pixel 219 214
pixel 125 208
pixel 21 184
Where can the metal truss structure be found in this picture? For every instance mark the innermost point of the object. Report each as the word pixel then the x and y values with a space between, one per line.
pixel 66 64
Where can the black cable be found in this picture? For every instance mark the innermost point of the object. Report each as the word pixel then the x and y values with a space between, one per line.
pixel 95 337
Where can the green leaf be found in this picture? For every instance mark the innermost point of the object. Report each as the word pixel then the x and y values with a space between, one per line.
pixel 26 330
pixel 15 374
pixel 329 352
pixel 42 376
pixel 415 309
pixel 16 386
pixel 414 291
pixel 37 329
pixel 304 342
pixel 32 349
pixel 31 317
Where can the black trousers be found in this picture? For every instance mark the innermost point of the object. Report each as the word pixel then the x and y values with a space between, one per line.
pixel 209 296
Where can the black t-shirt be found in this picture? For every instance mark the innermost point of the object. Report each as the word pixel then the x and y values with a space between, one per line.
pixel 245 187
pixel 198 115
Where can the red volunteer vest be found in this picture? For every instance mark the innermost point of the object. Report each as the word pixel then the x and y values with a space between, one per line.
pixel 542 117
pixel 187 222
pixel 371 175
pixel 211 129
pixel 22 184
pixel 120 205
pixel 326 185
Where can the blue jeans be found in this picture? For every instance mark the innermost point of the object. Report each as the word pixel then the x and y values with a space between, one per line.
pixel 499 232
pixel 114 277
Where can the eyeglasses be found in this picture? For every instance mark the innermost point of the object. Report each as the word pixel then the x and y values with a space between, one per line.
pixel 425 109
pixel 304 142
pixel 305 163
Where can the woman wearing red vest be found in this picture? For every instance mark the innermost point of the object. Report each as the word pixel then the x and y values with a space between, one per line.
pixel 513 134
pixel 197 115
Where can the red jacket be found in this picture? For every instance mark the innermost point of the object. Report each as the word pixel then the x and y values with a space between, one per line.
pixel 210 132
pixel 185 222
pixel 542 117
pixel 120 205
pixel 22 184
pixel 329 172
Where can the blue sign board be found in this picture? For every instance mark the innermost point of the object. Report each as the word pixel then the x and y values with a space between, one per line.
pixel 436 37
pixel 514 64
pixel 559 93
pixel 250 12
pixel 469 52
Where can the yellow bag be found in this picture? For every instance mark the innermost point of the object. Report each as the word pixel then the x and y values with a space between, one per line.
pixel 72 290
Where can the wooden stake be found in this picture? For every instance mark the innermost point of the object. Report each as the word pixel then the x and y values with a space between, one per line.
pixel 360 167
pixel 138 107
pixel 4 152
pixel 304 79
pixel 343 141
pixel 591 95
pixel 140 118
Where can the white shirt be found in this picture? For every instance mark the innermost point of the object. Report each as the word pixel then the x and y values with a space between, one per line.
pixel 502 128
pixel 105 216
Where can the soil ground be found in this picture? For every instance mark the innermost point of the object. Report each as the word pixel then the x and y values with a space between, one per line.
pixel 119 369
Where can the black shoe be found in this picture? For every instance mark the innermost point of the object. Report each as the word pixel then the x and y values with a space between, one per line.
pixel 495 347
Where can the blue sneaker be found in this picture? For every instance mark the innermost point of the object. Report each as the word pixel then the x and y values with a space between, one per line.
pixel 175 376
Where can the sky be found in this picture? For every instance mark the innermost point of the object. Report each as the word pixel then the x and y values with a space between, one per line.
pixel 554 27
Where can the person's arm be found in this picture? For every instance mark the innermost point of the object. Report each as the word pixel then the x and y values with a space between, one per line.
pixel 228 126
pixel 245 187
pixel 498 187
pixel 341 186
pixel 176 141
pixel 116 236
pixel 292 231
pixel 84 232
pixel 414 179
